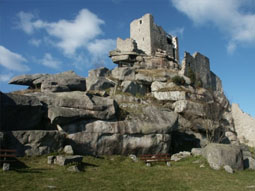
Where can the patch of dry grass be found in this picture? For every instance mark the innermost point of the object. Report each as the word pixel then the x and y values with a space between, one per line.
pixel 120 173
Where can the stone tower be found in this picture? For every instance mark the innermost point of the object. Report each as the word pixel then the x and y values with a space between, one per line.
pixel 150 37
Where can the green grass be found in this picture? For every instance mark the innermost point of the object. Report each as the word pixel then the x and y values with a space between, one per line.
pixel 120 173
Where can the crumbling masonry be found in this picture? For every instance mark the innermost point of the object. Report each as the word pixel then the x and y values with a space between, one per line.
pixel 150 47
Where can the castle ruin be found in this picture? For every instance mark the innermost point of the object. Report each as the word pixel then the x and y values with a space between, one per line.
pixel 150 47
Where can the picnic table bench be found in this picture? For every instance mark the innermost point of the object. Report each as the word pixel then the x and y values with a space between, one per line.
pixel 7 155
pixel 150 158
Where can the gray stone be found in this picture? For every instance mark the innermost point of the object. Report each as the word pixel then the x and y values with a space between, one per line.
pixel 61 82
pixel 65 160
pixel 68 150
pixel 157 86
pixel 51 187
pixel 13 105
pixel 51 159
pixel 26 80
pixel 196 151
pixel 221 99
pixel 148 131
pixel 36 142
pixel 244 126
pixel 148 79
pixel 99 72
pixel 170 95
pixel 73 168
pixel 168 163
pixel 133 158
pixel 202 166
pixel 123 73
pixel 133 88
pixel 120 58
pixel 228 169
pixel 219 155
pixel 185 106
pixel 99 83
pixel 181 155
pixel 65 107
pixel 6 167
pixel 148 164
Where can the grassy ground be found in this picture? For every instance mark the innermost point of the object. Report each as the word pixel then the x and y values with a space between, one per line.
pixel 120 173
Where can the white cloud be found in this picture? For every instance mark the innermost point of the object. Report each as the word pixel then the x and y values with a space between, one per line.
pixel 35 42
pixel 231 47
pixel 69 34
pixel 49 61
pixel 5 77
pixel 177 31
pixel 12 61
pixel 230 16
pixel 26 22
pixel 101 47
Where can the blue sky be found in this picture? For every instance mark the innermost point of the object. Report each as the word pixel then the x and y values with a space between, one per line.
pixel 51 36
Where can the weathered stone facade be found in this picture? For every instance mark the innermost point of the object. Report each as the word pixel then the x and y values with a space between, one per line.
pixel 200 65
pixel 150 37
pixel 148 43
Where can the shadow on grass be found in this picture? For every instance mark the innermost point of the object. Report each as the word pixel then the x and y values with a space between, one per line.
pixel 82 166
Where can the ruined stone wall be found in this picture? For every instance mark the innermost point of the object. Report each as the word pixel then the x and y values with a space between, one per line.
pixel 127 45
pixel 141 33
pixel 200 65
pixel 161 40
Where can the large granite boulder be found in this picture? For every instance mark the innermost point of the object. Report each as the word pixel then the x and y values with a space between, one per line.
pixel 133 88
pixel 149 132
pixel 61 82
pixel 123 73
pixel 65 107
pixel 100 83
pixel 21 112
pixel 26 80
pixel 219 155
pixel 99 72
pixel 36 142
pixel 97 79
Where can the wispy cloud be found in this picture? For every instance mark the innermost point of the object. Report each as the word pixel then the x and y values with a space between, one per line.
pixel 70 34
pixel 177 31
pixel 35 42
pixel 100 47
pixel 72 37
pixel 26 22
pixel 49 61
pixel 12 61
pixel 229 16
pixel 5 77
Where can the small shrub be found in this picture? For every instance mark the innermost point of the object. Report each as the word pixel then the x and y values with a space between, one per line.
pixel 198 83
pixel 178 80
pixel 191 75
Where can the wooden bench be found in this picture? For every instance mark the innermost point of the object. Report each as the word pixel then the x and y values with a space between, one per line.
pixel 148 159
pixel 7 155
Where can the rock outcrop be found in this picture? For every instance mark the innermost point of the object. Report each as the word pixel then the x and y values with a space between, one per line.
pixel 148 104
pixel 219 155
pixel 244 126
pixel 62 82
